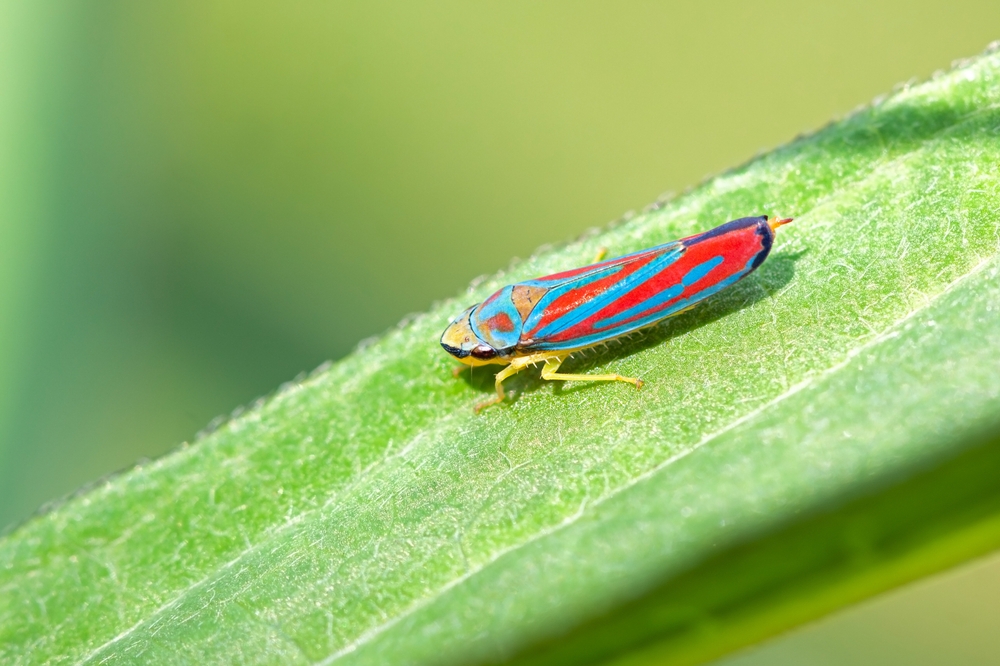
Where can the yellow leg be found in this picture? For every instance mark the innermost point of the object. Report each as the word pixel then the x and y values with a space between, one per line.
pixel 549 372
pixel 551 367
pixel 516 366
pixel 601 253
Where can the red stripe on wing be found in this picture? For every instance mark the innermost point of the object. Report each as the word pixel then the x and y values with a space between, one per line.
pixel 588 291
pixel 737 248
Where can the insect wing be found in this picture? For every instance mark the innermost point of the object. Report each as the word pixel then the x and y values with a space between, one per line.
pixel 597 303
pixel 573 298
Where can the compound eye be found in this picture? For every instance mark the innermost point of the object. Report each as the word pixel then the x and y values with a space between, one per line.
pixel 484 352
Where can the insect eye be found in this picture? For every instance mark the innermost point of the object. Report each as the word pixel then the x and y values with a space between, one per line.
pixel 484 352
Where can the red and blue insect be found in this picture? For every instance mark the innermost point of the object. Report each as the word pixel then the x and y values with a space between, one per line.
pixel 546 319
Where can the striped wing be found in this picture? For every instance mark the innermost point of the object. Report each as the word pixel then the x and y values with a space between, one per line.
pixel 596 303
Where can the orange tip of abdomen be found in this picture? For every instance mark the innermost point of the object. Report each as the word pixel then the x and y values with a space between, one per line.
pixel 775 222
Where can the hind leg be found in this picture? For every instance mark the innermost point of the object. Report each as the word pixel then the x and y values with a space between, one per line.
pixel 550 371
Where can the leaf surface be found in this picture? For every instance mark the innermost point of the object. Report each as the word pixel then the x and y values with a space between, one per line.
pixel 821 431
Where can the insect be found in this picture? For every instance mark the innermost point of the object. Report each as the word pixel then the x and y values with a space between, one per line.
pixel 547 319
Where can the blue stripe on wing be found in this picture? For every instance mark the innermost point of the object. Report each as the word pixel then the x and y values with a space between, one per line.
pixel 545 302
pixel 607 334
pixel 665 296
pixel 613 293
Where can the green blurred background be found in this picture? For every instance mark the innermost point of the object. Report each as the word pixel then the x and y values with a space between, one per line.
pixel 198 200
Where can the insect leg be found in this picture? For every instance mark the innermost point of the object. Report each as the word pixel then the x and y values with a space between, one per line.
pixel 550 371
pixel 517 366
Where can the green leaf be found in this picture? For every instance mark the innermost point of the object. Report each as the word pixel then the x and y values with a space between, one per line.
pixel 822 431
